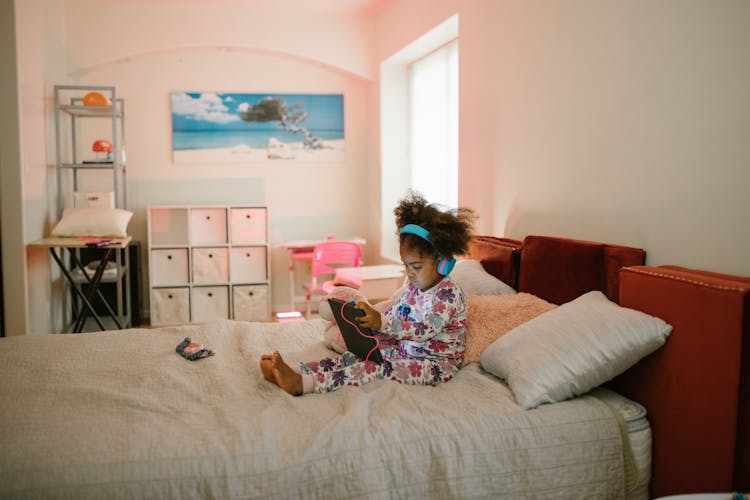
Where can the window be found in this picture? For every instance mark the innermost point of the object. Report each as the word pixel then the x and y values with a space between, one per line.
pixel 419 125
pixel 433 125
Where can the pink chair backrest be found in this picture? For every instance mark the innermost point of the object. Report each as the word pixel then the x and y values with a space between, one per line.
pixel 337 253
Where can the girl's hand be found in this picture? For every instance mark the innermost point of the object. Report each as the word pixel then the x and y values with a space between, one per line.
pixel 371 319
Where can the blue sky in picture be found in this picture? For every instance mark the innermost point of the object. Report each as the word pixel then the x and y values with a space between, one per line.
pixel 212 120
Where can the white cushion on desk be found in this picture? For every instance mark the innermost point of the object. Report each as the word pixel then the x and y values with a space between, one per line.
pixel 97 222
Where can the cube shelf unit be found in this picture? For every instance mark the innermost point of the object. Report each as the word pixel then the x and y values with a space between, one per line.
pixel 208 263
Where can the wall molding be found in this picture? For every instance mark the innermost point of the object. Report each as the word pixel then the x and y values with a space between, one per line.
pixel 83 71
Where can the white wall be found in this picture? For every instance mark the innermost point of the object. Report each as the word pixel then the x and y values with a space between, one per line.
pixel 40 61
pixel 617 121
pixel 626 122
pixel 147 51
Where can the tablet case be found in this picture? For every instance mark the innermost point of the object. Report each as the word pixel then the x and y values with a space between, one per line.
pixel 358 340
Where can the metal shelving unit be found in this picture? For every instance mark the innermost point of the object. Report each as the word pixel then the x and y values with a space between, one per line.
pixel 69 142
pixel 77 125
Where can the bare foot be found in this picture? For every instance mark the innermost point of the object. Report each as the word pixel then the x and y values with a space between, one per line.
pixel 285 377
pixel 266 366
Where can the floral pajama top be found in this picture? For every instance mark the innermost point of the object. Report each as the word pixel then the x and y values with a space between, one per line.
pixel 422 339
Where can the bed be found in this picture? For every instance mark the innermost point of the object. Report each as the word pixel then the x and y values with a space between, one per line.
pixel 696 388
pixel 120 414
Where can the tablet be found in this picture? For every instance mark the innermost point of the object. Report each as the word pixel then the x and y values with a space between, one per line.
pixel 358 339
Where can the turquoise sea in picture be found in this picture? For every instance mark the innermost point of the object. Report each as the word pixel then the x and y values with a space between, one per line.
pixel 208 139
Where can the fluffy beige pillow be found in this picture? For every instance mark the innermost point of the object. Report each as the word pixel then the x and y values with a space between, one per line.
pixel 491 316
pixel 94 222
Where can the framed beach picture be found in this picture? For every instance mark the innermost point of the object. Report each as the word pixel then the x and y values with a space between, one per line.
pixel 212 127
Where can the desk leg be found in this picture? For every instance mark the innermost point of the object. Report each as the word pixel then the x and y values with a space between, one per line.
pixel 77 290
pixel 94 288
pixel 126 316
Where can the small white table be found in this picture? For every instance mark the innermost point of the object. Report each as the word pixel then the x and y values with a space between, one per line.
pixel 378 282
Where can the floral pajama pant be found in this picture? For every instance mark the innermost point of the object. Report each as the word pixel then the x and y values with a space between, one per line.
pixel 347 369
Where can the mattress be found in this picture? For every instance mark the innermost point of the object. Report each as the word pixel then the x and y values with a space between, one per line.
pixel 122 415
pixel 636 438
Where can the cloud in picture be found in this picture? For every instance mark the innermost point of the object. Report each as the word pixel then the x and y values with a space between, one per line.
pixel 207 106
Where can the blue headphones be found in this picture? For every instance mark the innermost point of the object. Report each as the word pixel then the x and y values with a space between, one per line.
pixel 444 266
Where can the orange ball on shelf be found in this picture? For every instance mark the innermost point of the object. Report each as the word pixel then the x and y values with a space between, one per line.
pixel 95 99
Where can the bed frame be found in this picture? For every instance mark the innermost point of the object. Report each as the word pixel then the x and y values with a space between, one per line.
pixel 696 388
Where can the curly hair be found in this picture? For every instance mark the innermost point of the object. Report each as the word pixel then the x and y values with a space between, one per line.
pixel 450 230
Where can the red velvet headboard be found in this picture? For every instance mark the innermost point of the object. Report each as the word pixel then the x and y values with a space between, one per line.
pixel 696 388
pixel 556 269
pixel 499 256
pixel 561 269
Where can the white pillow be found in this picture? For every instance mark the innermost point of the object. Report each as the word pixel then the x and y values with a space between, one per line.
pixel 474 280
pixel 570 350
pixel 89 221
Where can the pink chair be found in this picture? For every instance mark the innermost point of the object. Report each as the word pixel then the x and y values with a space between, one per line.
pixel 326 257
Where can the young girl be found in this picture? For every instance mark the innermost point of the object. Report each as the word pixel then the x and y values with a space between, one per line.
pixel 422 336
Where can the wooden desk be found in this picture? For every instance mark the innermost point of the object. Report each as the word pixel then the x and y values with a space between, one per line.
pixel 378 282
pixel 57 247
pixel 301 250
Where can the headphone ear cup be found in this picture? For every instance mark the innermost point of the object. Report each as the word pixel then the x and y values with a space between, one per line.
pixel 445 266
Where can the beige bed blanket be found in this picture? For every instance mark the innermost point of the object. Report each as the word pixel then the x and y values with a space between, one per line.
pixel 121 415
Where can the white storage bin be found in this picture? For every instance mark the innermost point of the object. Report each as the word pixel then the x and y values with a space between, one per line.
pixel 169 266
pixel 248 264
pixel 170 306
pixel 208 226
pixel 168 226
pixel 250 302
pixel 210 266
pixel 94 199
pixel 248 226
pixel 209 303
